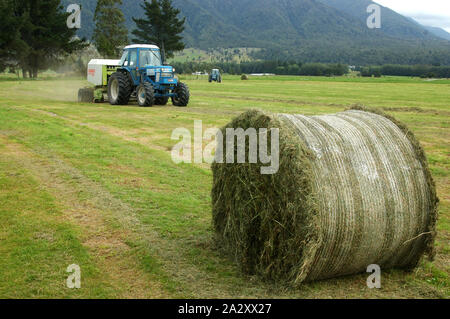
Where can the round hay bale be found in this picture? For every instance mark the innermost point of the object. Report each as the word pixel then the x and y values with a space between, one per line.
pixel 352 189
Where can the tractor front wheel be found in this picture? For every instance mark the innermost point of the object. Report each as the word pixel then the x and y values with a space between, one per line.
pixel 119 89
pixel 182 95
pixel 146 94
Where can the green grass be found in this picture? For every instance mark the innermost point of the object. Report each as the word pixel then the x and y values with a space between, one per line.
pixel 114 163
pixel 37 245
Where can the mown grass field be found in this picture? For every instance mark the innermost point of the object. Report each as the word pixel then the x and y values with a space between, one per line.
pixel 94 185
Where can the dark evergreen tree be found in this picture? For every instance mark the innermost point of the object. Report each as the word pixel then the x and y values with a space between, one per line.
pixel 12 48
pixel 44 30
pixel 110 32
pixel 161 27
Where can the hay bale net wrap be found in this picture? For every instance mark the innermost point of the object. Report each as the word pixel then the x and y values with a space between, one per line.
pixel 352 189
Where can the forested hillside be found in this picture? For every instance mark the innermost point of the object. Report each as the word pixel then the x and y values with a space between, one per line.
pixel 308 30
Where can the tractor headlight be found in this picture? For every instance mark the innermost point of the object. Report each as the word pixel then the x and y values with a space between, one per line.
pixel 166 74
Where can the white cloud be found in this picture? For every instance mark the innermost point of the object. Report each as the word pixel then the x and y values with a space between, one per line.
pixel 441 7
pixel 434 13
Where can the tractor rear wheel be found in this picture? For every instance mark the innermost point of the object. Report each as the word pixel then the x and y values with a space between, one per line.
pixel 146 94
pixel 182 95
pixel 161 100
pixel 85 95
pixel 119 89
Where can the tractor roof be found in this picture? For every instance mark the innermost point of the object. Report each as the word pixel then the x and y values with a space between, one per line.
pixel 141 46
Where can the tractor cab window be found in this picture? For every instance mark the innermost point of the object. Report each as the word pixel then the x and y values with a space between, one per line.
pixel 133 58
pixel 124 59
pixel 149 58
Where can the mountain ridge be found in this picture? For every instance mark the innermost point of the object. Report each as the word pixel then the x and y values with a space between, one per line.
pixel 439 32
pixel 309 30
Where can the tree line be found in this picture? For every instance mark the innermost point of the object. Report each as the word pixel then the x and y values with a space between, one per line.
pixel 423 71
pixel 313 69
pixel 276 67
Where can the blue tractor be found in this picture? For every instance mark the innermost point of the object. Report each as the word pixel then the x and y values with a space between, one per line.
pixel 142 75
pixel 215 76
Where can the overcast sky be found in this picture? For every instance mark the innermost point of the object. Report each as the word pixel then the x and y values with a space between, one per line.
pixel 435 13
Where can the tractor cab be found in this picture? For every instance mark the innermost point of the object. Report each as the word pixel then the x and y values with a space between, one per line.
pixel 142 61
pixel 215 76
pixel 141 74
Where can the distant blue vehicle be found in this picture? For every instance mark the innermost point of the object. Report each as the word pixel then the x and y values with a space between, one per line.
pixel 141 74
pixel 215 76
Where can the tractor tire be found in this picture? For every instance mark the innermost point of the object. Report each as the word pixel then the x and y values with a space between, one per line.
pixel 161 100
pixel 85 95
pixel 183 95
pixel 145 94
pixel 220 79
pixel 119 89
pixel 210 79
